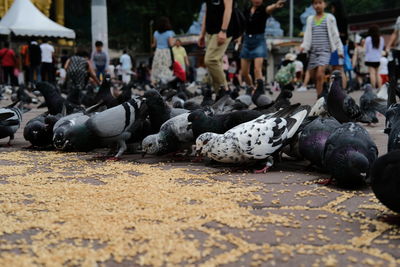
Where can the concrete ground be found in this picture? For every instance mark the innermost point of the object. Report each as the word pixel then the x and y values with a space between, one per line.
pixel 70 209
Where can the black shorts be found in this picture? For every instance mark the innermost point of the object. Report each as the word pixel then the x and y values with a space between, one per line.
pixel 372 64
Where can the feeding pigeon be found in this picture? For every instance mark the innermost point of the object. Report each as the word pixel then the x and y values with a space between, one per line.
pixel 393 127
pixel 370 104
pixel 39 130
pixel 10 121
pixel 112 125
pixel 253 141
pixel 201 123
pixel 349 154
pixel 313 139
pixel 159 111
pixel 174 136
pixel 244 101
pixel 341 106
pixel 385 180
pixel 259 98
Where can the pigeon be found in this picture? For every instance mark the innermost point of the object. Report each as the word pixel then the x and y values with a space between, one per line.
pixel 370 104
pixel 177 102
pixel 71 134
pixel 112 125
pixel 259 98
pixel 253 141
pixel 385 180
pixel 244 101
pixel 319 109
pixel 159 112
pixel 313 139
pixel 173 137
pixel 349 154
pixel 10 121
pixel 207 97
pixel 105 94
pixel 393 127
pixel 341 106
pixel 201 123
pixel 54 101
pixel 383 92
pixel 39 130
pixel 191 105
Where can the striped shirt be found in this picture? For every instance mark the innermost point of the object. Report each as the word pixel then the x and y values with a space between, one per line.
pixel 320 37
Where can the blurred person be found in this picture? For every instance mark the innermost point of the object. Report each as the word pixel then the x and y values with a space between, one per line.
pixel 47 67
pixel 180 54
pixel 162 62
pixel 79 70
pixel 360 69
pixel 321 38
pixel 126 67
pixel 393 46
pixel 383 70
pixel 100 60
pixel 286 75
pixel 8 64
pixel 25 61
pixel 232 70
pixel 215 36
pixel 64 57
pixel 35 58
pixel 254 46
pixel 374 45
pixel 299 75
pixel 337 63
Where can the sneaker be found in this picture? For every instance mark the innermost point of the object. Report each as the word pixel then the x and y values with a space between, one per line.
pixel 302 89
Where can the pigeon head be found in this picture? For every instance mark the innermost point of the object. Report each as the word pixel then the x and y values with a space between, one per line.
pixel 367 87
pixel 45 88
pixel 197 115
pixel 352 169
pixel 150 145
pixel 38 134
pixel 153 97
pixel 203 143
pixel 70 137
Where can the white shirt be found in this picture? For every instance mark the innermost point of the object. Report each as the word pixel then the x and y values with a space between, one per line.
pixel 373 54
pixel 383 67
pixel 126 62
pixel 47 53
pixel 299 66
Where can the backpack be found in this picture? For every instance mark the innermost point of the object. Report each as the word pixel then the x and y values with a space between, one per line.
pixel 286 74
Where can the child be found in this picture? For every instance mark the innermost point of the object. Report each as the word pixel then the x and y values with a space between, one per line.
pixel 321 38
pixel 383 69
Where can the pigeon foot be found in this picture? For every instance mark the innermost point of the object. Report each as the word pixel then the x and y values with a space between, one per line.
pixel 326 182
pixel 263 170
pixel 113 159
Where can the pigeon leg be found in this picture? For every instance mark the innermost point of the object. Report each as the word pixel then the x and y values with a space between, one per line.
pixel 263 170
pixel 325 181
pixel 268 165
pixel 122 148
pixel 9 142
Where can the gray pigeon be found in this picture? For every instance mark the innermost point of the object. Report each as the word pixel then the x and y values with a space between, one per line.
pixel 174 136
pixel 393 127
pixel 10 121
pixel 349 154
pixel 112 125
pixel 370 104
pixel 253 141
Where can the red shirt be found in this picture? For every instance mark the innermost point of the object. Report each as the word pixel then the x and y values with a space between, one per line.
pixel 7 57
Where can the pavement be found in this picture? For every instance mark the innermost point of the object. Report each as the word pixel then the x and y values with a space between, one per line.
pixel 71 209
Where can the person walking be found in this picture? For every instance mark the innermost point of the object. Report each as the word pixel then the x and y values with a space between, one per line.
pixel 162 61
pixel 126 67
pixel 47 67
pixel 374 45
pixel 337 63
pixel 360 68
pixel 254 46
pixel 79 70
pixel 215 32
pixel 393 48
pixel 100 60
pixel 35 57
pixel 8 64
pixel 321 38
pixel 25 61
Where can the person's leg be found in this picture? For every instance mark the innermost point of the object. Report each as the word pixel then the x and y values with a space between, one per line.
pixel 320 78
pixel 307 77
pixel 258 66
pixel 213 61
pixel 372 76
pixel 245 71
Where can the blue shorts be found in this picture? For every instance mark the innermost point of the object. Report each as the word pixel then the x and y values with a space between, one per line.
pixel 254 46
pixel 335 59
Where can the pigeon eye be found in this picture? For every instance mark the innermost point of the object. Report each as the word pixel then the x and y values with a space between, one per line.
pixel 205 142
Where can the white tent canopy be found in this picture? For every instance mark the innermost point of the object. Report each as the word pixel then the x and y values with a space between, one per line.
pixel 24 19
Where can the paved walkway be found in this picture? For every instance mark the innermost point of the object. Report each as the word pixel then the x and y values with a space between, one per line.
pixel 66 208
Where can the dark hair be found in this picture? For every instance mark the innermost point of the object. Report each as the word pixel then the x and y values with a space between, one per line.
pixel 6 44
pixel 340 11
pixel 375 35
pixel 98 43
pixel 81 52
pixel 163 25
pixel 125 51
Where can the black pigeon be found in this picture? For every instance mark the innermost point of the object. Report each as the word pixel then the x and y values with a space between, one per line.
pixel 259 98
pixel 10 121
pixel 349 154
pixel 54 101
pixel 207 97
pixel 393 127
pixel 341 106
pixel 385 180
pixel 313 139
pixel 39 130
pixel 370 104
pixel 159 112
pixel 106 97
pixel 201 123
